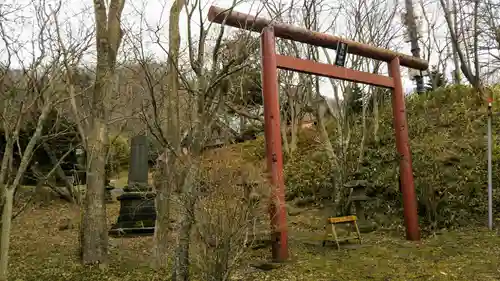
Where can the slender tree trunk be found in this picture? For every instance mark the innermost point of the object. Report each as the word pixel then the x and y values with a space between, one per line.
pixel 94 239
pixel 476 31
pixel 162 201
pixel 453 26
pixel 293 135
pixel 284 136
pixel 9 191
pixel 181 267
pixel 6 228
pixel 363 136
pixel 243 123
pixel 181 263
pixel 376 116
pixel 4 173
pixel 325 139
pixel 294 122
pixel 60 173
pixel 95 235
pixel 169 169
pixel 414 37
pixel 464 59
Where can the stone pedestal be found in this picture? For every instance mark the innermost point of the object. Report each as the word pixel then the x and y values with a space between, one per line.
pixel 137 207
pixel 137 215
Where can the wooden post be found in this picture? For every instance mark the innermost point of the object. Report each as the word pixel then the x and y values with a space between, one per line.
pixel 403 148
pixel 277 209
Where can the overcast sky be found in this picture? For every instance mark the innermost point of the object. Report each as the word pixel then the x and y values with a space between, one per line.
pixel 76 17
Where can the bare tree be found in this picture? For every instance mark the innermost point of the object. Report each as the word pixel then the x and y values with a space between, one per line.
pixel 490 43
pixel 466 41
pixel 94 236
pixel 199 88
pixel 29 93
pixel 372 23
pixel 454 26
pixel 172 141
pixel 208 92
pixel 378 29
pixel 412 29
pixel 432 45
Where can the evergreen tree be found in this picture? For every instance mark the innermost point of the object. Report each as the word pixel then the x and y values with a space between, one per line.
pixel 354 99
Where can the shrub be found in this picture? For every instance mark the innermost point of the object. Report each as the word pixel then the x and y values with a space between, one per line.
pixel 254 150
pixel 119 154
pixel 226 216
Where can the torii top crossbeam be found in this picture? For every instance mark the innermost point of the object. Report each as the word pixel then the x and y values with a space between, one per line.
pixel 286 31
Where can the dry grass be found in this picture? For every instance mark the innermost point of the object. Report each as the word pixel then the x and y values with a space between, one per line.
pixel 40 251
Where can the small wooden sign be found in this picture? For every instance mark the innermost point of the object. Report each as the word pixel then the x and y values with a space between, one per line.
pixel 341 54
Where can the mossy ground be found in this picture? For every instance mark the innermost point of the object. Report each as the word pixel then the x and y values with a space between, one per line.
pixel 40 251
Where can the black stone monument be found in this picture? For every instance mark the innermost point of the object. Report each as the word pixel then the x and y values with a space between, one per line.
pixel 137 208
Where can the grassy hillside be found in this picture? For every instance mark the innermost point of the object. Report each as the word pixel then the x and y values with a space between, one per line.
pixel 448 141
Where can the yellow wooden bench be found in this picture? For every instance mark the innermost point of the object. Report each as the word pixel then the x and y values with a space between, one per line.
pixel 330 230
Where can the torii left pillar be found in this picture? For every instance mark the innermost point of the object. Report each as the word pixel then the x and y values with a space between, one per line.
pixel 277 208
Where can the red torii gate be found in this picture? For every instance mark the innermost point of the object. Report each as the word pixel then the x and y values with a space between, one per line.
pixel 272 61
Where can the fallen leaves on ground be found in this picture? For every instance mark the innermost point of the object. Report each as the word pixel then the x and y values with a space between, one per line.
pixel 40 251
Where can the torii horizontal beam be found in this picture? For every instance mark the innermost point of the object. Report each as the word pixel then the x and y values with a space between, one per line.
pixel 332 71
pixel 286 31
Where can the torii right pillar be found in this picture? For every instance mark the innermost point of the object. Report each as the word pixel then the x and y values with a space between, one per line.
pixel 403 148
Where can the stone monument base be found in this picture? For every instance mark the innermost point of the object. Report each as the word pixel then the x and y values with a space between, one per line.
pixel 137 215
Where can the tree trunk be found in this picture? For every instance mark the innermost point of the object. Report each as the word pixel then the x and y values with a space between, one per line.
pixel 162 201
pixel 8 193
pixel 6 227
pixel 181 263
pixel 363 136
pixel 376 116
pixel 284 136
pixel 181 266
pixel 293 134
pixel 464 60
pixel 94 231
pixel 94 234
pixel 294 122
pixel 453 26
pixel 60 173
pixel 169 169
pixel 243 123
pixel 325 139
